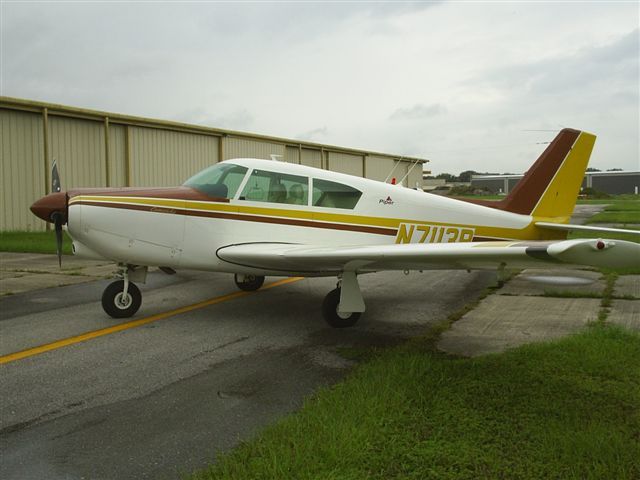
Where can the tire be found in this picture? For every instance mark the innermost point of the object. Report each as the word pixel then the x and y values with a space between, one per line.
pixel 251 283
pixel 330 311
pixel 112 300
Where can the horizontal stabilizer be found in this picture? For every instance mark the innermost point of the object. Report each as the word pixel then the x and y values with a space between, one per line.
pixel 584 228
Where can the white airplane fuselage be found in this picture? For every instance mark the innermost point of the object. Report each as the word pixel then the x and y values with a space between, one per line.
pixel 154 230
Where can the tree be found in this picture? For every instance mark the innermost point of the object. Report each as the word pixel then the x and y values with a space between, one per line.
pixel 448 177
pixel 591 169
pixel 466 175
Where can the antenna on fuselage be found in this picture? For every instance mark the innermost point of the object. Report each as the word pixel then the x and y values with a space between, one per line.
pixel 275 158
pixel 408 172
pixel 393 170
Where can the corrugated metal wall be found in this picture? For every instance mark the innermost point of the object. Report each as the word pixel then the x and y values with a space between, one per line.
pixel 243 148
pixel 118 174
pixel 345 163
pixel 414 180
pixel 23 177
pixel 79 148
pixel 164 158
pixel 311 158
pixel 379 167
pixel 292 154
pixel 95 149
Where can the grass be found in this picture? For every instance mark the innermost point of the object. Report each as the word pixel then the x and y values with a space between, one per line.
pixel 622 209
pixel 33 242
pixel 613 200
pixel 481 197
pixel 616 216
pixel 567 409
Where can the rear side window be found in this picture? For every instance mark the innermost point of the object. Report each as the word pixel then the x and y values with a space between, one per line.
pixel 265 186
pixel 334 195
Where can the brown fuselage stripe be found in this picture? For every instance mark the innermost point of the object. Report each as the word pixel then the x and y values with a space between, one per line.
pixel 242 217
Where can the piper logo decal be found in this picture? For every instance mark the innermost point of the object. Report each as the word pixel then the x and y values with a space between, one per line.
pixel 415 233
pixel 386 201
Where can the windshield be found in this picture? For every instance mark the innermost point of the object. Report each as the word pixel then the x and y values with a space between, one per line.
pixel 221 180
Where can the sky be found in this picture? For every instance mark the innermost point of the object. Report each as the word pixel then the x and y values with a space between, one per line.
pixel 478 86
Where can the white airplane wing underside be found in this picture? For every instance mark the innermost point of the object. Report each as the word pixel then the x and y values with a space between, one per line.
pixel 471 255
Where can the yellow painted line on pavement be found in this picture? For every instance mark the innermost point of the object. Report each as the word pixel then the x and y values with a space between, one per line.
pixel 30 352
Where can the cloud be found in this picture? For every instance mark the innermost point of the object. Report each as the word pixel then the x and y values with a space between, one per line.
pixel 610 64
pixel 418 112
pixel 313 135
pixel 457 83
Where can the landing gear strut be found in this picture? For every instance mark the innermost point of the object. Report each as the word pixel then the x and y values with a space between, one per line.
pixel 248 283
pixel 343 306
pixel 122 298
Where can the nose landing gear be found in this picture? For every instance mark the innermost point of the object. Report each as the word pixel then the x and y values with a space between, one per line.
pixel 122 298
pixel 121 303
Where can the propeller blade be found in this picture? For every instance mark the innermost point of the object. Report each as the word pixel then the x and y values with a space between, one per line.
pixel 56 186
pixel 57 219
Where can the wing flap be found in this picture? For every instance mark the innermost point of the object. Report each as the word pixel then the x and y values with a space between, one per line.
pixel 472 255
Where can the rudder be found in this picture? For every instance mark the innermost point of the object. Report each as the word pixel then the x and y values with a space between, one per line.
pixel 549 189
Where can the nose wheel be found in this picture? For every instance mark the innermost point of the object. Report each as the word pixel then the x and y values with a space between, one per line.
pixel 121 303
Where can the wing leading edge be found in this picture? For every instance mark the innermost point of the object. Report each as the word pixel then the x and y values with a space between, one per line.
pixel 280 257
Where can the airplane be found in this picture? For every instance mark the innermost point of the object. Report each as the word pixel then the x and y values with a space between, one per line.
pixel 253 218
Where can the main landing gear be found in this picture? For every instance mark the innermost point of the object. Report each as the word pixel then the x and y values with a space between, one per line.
pixel 122 298
pixel 343 306
pixel 248 283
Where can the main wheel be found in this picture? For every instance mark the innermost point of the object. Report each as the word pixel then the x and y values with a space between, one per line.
pixel 250 282
pixel 118 305
pixel 330 311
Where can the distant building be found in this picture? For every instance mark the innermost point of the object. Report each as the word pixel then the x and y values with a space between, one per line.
pixel 614 183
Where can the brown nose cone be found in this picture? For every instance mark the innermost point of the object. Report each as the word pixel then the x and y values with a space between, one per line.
pixel 49 204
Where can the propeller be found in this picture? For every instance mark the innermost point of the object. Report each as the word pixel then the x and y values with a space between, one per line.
pixel 53 208
pixel 57 217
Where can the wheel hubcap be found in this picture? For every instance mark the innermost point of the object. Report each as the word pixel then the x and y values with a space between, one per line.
pixel 123 301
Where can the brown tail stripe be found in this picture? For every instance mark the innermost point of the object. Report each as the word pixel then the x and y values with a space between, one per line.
pixel 526 194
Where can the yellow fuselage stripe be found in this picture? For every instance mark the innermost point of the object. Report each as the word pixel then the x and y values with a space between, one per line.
pixel 12 357
pixel 528 232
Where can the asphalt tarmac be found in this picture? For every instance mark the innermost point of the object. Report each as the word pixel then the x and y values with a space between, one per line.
pixel 163 398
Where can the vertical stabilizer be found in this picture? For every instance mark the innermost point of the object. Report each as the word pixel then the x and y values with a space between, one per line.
pixel 550 187
pixel 559 197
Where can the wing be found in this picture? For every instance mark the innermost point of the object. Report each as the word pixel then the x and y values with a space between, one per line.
pixel 585 228
pixel 278 257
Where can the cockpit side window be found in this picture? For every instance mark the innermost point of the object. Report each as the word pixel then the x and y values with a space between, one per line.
pixel 334 195
pixel 274 187
pixel 219 181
